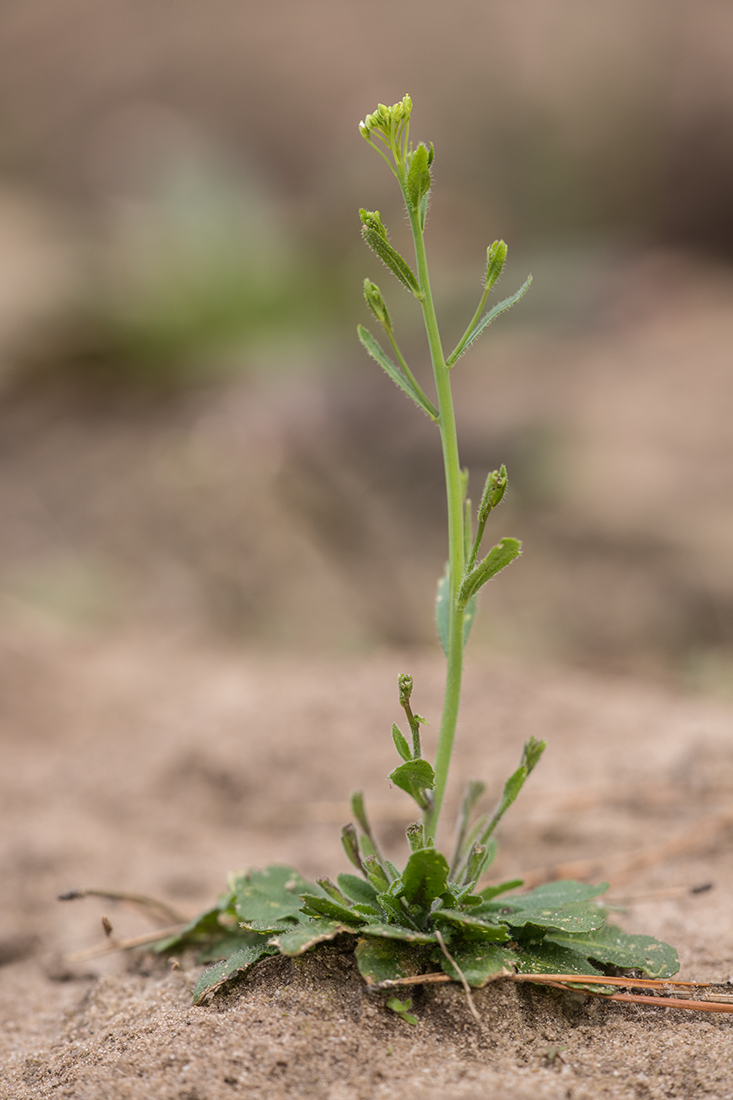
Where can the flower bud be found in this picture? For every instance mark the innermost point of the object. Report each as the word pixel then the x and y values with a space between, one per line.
pixel 404 684
pixel 493 493
pixel 415 836
pixel 372 219
pixel 350 842
pixel 476 859
pixel 495 260
pixel 375 874
pixel 376 303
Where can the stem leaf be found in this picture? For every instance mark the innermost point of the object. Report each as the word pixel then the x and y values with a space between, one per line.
pixel 414 777
pixel 418 176
pixel 487 318
pixel 391 258
pixel 497 559
pixel 373 348
pixel 400 743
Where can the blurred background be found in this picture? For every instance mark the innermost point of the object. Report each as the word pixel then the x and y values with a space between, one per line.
pixel 192 440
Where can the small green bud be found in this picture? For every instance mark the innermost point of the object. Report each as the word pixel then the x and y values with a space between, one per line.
pixel 333 891
pixel 476 860
pixel 493 493
pixel 404 683
pixel 376 303
pixel 359 812
pixel 375 874
pixel 418 176
pixel 372 219
pixel 533 750
pixel 415 836
pixel 495 260
pixel 351 846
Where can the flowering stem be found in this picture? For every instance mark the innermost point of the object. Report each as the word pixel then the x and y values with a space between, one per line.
pixel 456 541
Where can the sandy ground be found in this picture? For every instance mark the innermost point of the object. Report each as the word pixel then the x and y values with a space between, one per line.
pixel 157 766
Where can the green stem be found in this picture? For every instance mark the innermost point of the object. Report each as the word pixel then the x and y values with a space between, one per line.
pixel 454 492
pixel 408 373
pixel 472 325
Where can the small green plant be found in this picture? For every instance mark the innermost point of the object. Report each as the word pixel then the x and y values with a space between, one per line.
pixel 402 1009
pixel 433 914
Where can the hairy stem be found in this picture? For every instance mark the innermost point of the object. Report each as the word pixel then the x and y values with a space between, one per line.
pixel 456 549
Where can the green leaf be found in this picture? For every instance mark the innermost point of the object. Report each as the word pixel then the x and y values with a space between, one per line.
pixel 400 379
pixel 271 894
pixel 241 961
pixel 425 876
pixel 381 960
pixel 357 889
pixel 391 908
pixel 316 906
pixel 570 918
pixel 402 1008
pixel 487 318
pixel 564 891
pixel 490 892
pixel 418 176
pixel 612 946
pixel 202 927
pixel 398 932
pixel 552 958
pixel 497 559
pixel 478 962
pixel 235 941
pixel 272 926
pixel 414 777
pixel 442 612
pixel 400 743
pixel 512 787
pixel 472 927
pixel 305 936
pixel 391 258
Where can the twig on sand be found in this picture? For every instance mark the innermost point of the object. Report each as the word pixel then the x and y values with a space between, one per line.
pixel 125 945
pixel 152 905
pixel 461 975
pixel 711 997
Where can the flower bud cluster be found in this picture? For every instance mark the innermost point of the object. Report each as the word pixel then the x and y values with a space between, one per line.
pixel 386 120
